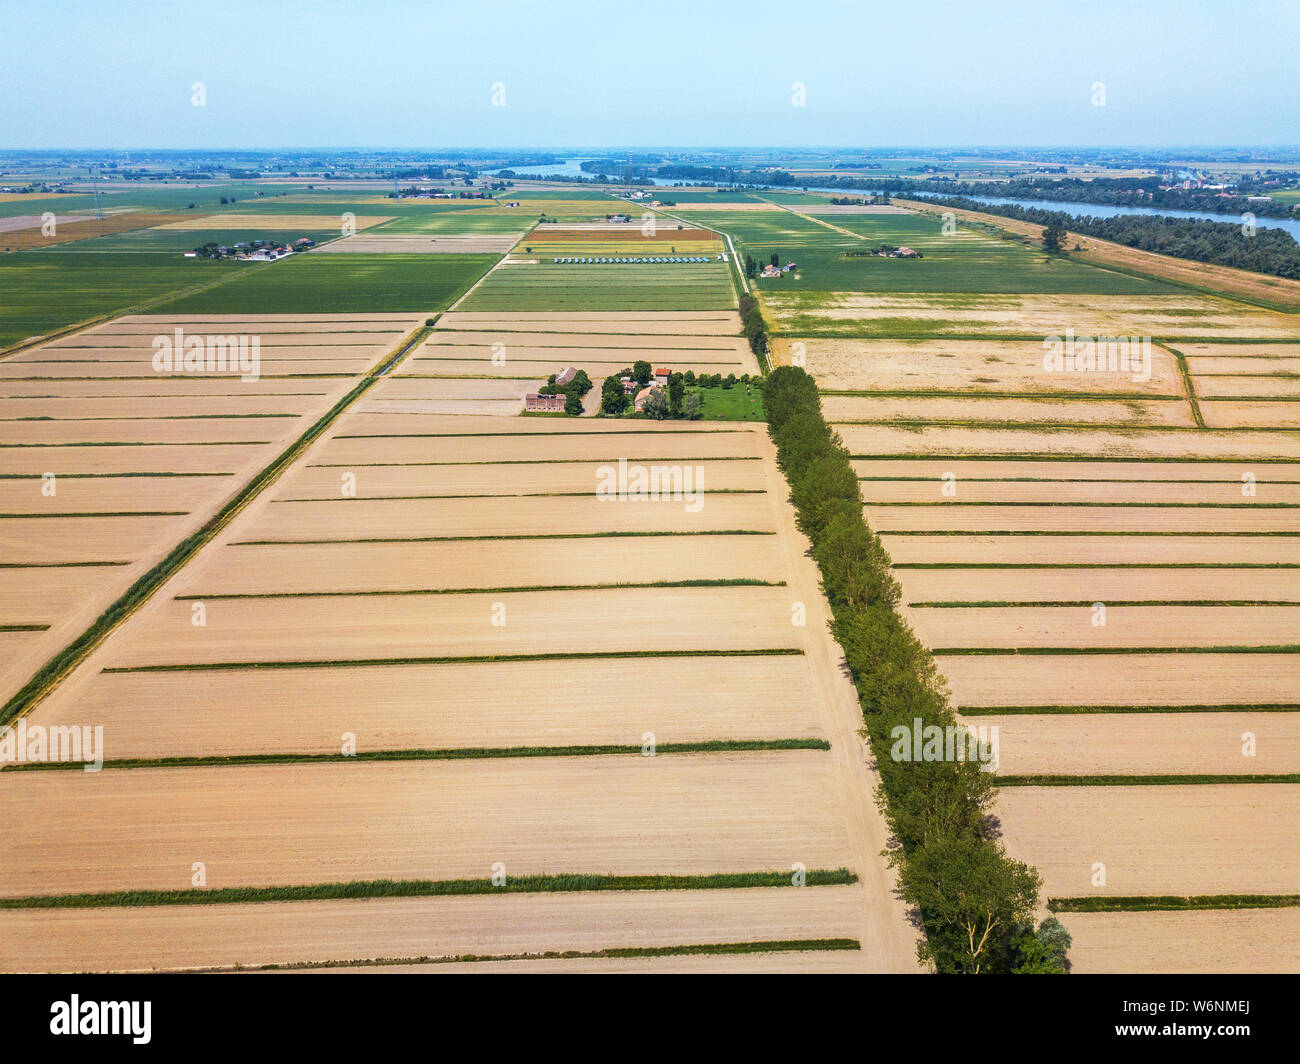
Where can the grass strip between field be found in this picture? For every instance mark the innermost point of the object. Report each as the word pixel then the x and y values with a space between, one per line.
pixel 427 888
pixel 463 753
pixel 785 945
pixel 736 582
pixel 1205 707
pixel 518 536
pixel 357 663
pixel 1059 603
pixel 1148 903
pixel 1173 780
pixel 54 670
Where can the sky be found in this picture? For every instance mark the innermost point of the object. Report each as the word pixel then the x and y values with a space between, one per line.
pixel 573 73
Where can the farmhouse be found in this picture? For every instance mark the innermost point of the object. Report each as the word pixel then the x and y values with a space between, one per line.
pixel 546 404
pixel 639 402
pixel 629 385
pixel 564 376
pixel 661 376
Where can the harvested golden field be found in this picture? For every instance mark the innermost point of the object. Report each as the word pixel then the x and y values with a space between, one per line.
pixel 1058 472
pixel 495 705
pixel 1216 942
pixel 1145 744
pixel 109 474
pixel 1102 585
pixel 1082 548
pixel 969 366
pixel 695 814
pixel 848 409
pixel 1184 679
pixel 1045 442
pixel 223 936
pixel 1086 519
pixel 1036 315
pixel 1235 386
pixel 1230 414
pixel 522 478
pixel 1179 840
pixel 1125 627
pixel 401 566
pixel 961 491
pixel 539 443
pixel 408 626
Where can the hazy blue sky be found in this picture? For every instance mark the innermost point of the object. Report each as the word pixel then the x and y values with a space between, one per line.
pixel 700 72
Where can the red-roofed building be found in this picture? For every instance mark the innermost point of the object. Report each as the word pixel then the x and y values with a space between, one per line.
pixel 661 376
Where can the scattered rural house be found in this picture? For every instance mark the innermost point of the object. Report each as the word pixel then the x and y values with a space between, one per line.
pixel 546 404
pixel 639 402
pixel 564 376
pixel 629 385
pixel 770 271
pixel 661 376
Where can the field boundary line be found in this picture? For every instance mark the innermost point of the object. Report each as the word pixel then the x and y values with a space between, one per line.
pixel 1188 384
pixel 572 882
pixel 463 753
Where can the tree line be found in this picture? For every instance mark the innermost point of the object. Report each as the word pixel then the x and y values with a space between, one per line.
pixel 976 903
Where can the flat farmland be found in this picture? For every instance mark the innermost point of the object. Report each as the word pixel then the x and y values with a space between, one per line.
pixel 1015 501
pixel 342 283
pixel 971 367
pixel 836 255
pixel 1144 744
pixel 45 292
pixel 504 516
pixel 104 476
pixel 1033 315
pixel 962 549
pixel 269 220
pixel 1176 840
pixel 508 479
pixel 1052 442
pixel 401 627
pixel 438 740
pixel 383 243
pixel 498 705
pixel 859 409
pixel 537 285
pixel 696 814
pixel 322 568
pixel 331 933
pixel 1211 943
pixel 1134 679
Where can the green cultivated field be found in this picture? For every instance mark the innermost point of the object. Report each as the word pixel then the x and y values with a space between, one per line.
pixel 966 261
pixel 667 286
pixel 179 241
pixel 453 222
pixel 341 284
pixel 43 291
